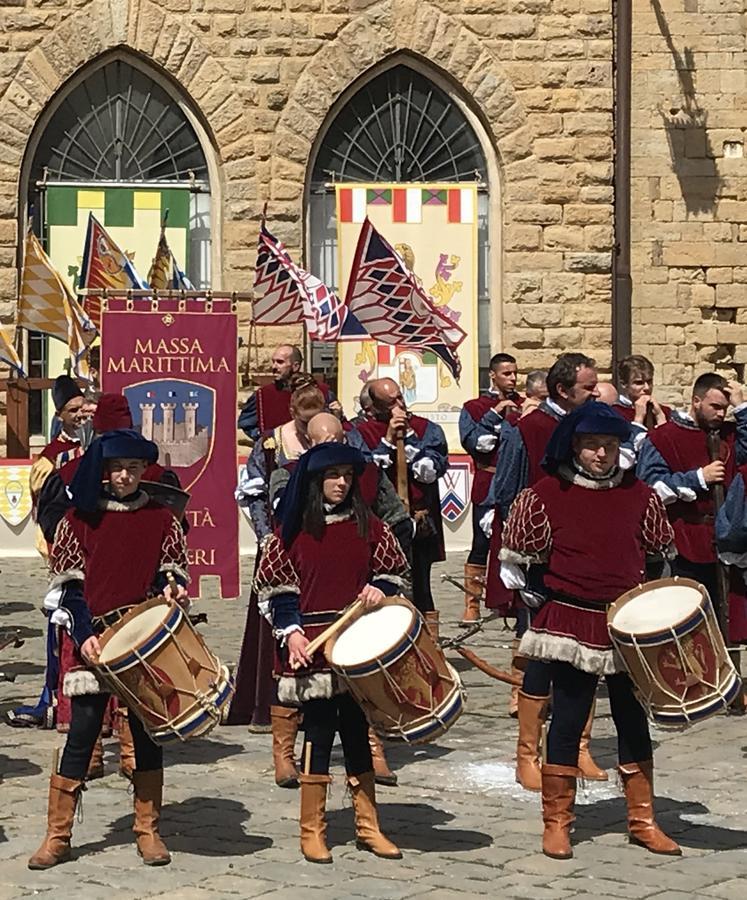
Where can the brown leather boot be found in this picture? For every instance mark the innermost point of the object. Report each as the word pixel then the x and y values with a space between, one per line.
pixel 55 848
pixel 96 765
pixel 432 621
pixel 314 819
pixel 285 721
pixel 148 799
pixel 638 783
pixel 383 773
pixel 368 835
pixel 126 744
pixel 586 764
pixel 558 797
pixel 532 713
pixel 513 700
pixel 474 582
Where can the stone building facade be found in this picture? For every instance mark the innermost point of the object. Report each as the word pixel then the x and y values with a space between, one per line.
pixel 262 78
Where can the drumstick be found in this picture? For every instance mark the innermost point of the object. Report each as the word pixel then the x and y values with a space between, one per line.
pixel 321 639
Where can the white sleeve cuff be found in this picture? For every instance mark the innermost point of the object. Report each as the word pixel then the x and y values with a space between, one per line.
pixel 513 576
pixel 382 460
pixel 411 451
pixel 284 633
pixel 627 458
pixel 665 493
pixel 701 479
pixel 486 443
pixel 424 470
pixel 486 523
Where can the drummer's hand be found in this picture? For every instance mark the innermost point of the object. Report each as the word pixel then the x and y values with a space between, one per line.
pixel 371 597
pixel 176 592
pixel 297 656
pixel 90 649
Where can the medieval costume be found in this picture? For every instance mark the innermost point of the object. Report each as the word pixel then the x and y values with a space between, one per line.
pixel 108 555
pixel 305 581
pixel 427 460
pixel 479 433
pixel 269 406
pixel 731 540
pixel 548 531
pixel 671 462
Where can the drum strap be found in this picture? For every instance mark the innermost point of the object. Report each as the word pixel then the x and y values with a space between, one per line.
pixel 110 618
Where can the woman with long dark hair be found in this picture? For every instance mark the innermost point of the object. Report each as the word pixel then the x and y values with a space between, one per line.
pixel 329 550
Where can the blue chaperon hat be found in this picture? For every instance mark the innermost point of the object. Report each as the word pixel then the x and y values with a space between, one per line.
pixel 317 459
pixel 591 418
pixel 125 443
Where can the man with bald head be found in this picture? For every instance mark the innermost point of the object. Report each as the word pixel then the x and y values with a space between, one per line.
pixel 607 393
pixel 426 457
pixel 269 405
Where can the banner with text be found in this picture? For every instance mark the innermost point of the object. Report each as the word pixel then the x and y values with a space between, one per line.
pixel 175 361
pixel 433 227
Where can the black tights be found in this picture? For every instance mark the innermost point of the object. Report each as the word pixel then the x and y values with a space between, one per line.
pixel 322 719
pixel 87 716
pixel 572 698
pixel 423 553
pixel 478 554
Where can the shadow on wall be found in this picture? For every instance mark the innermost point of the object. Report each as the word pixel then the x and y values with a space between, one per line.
pixel 686 128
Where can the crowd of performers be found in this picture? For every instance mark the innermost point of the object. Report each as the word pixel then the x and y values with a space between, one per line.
pixel 581 491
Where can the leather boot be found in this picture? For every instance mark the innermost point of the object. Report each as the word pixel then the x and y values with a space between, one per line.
pixel 587 767
pixel 148 799
pixel 55 848
pixel 285 721
pixel 126 744
pixel 383 773
pixel 368 835
pixel 313 818
pixel 638 783
pixel 558 797
pixel 96 765
pixel 432 621
pixel 532 713
pixel 513 700
pixel 474 582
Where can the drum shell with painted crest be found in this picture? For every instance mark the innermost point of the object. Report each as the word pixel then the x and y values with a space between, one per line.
pixel 158 664
pixel 667 635
pixel 397 673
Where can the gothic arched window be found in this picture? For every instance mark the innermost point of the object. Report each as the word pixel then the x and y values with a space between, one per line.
pixel 400 126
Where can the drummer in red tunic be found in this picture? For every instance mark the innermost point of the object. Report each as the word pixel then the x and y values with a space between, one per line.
pixel 112 549
pixel 580 537
pixel 329 550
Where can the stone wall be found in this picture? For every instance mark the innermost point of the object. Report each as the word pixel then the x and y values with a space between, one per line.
pixel 263 74
pixel 689 188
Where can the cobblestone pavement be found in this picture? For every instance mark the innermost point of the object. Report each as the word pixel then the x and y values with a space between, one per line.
pixel 465 828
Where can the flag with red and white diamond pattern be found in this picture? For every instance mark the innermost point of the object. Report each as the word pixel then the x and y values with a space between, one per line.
pixel 286 294
pixel 389 303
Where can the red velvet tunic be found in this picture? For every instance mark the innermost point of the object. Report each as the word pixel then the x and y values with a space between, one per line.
pixel 485 463
pixel 421 496
pixel 593 539
pixel 628 412
pixel 62 450
pixel 326 575
pixel 273 404
pixel 684 449
pixel 118 554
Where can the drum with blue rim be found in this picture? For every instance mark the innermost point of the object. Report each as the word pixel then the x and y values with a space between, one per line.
pixel 158 665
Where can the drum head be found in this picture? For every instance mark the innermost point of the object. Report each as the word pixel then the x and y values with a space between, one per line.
pixel 371 635
pixel 133 632
pixel 656 609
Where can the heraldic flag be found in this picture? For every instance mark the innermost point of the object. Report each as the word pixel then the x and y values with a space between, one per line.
pixel 9 355
pixel 389 303
pixel 45 304
pixel 285 294
pixel 105 267
pixel 165 274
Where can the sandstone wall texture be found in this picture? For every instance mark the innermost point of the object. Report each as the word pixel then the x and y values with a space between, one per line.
pixel 263 74
pixel 689 188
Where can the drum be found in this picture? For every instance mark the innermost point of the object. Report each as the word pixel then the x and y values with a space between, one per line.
pixel 397 673
pixel 667 634
pixel 157 663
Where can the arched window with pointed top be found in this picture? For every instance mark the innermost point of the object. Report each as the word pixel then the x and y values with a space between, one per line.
pixel 402 124
pixel 119 132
